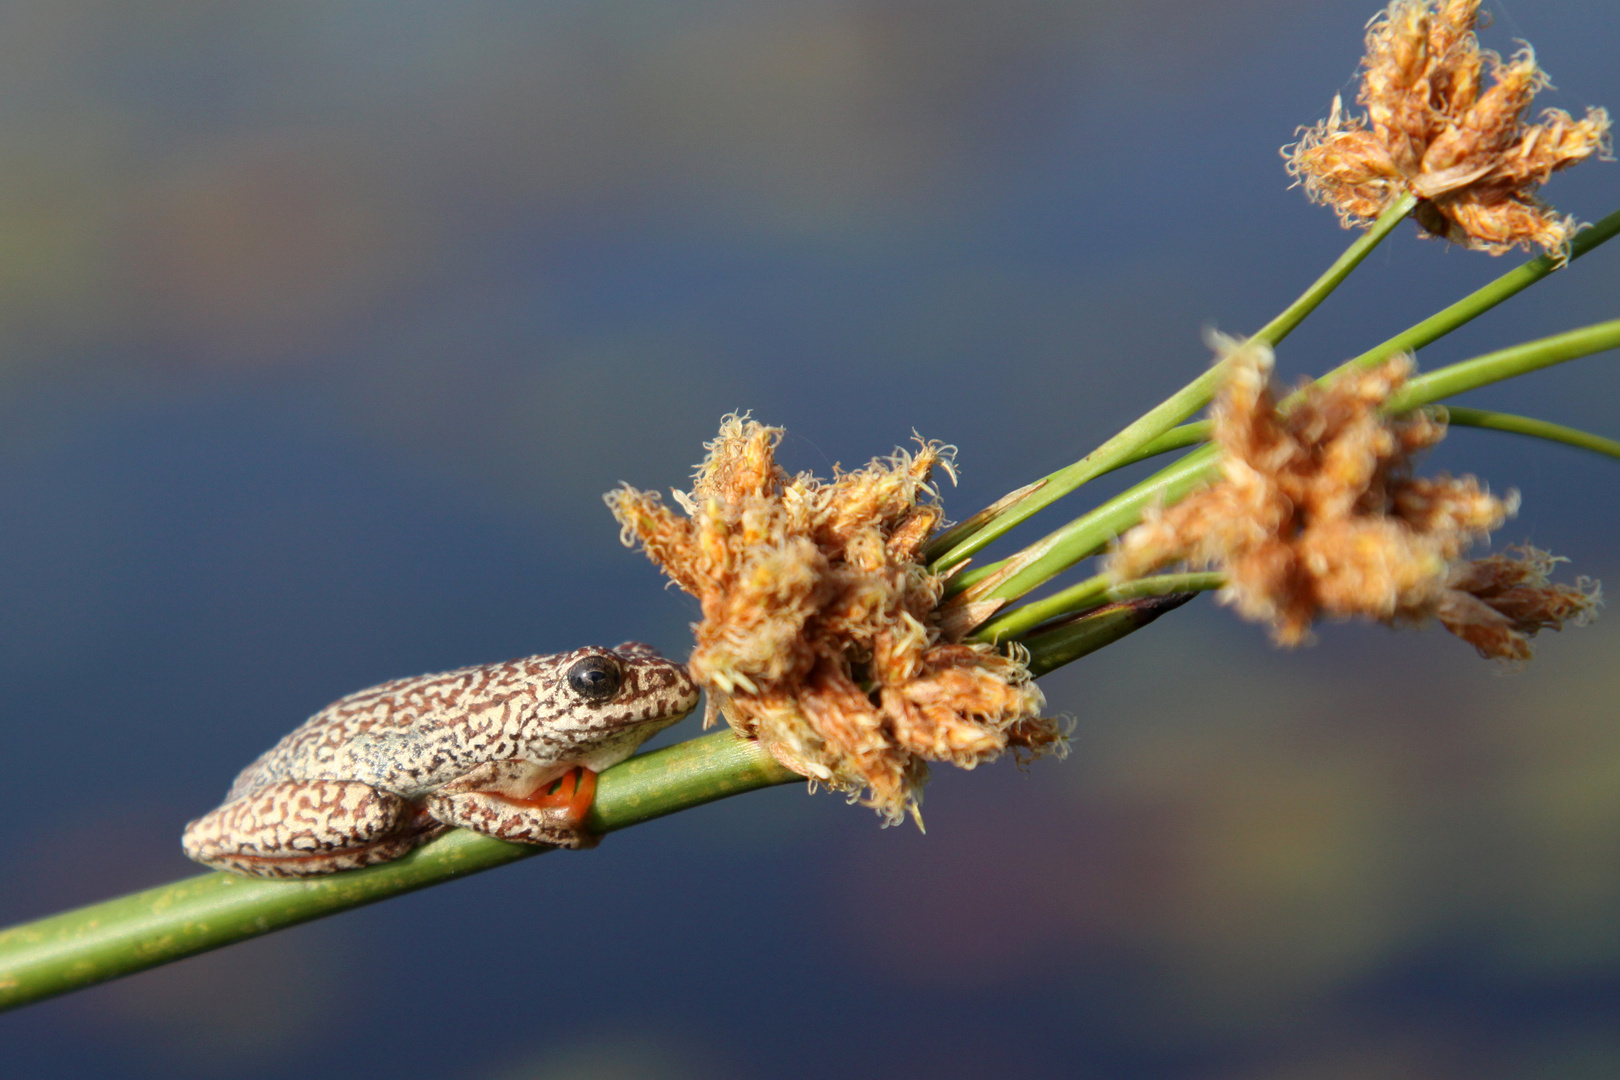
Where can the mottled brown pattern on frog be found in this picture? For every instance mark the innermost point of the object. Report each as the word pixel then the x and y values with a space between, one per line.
pixel 360 782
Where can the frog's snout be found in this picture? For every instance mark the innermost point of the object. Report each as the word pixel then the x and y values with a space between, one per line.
pixel 663 688
pixel 687 687
pixel 682 690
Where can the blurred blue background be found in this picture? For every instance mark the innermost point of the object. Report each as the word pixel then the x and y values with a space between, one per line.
pixel 324 327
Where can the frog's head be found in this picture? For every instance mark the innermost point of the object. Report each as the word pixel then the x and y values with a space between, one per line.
pixel 629 685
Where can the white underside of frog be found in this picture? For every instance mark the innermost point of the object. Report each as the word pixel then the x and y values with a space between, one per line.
pixel 509 750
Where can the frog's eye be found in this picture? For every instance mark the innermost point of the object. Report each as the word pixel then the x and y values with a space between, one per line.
pixel 596 678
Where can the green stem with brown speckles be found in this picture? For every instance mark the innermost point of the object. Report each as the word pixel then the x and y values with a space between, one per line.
pixel 92 944
pixel 132 933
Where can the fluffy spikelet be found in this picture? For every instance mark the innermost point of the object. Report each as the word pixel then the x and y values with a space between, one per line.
pixel 1498 603
pixel 1433 128
pixel 1317 514
pixel 819 635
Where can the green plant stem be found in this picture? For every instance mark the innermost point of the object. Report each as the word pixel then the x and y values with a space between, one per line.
pixel 1089 533
pixel 103 941
pixel 1535 429
pixel 1096 527
pixel 1506 363
pixel 973 535
pixel 1481 300
pixel 80 948
pixel 1091 593
pixel 90 945
pixel 1424 333
pixel 1053 646
pixel 1200 431
pixel 1175 439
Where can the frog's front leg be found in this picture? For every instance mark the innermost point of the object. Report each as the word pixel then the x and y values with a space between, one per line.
pixel 297 828
pixel 519 801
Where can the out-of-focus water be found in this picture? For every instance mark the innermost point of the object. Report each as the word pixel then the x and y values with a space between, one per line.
pixel 324 327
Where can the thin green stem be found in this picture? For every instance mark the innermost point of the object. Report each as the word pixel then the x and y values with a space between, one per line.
pixel 1535 429
pixel 93 944
pixel 1506 363
pixel 1091 593
pixel 103 941
pixel 1424 333
pixel 1094 528
pixel 1089 533
pixel 1483 299
pixel 1054 646
pixel 1186 435
pixel 1290 317
pixel 973 535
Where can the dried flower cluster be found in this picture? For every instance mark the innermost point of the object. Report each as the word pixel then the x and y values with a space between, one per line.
pixel 1434 129
pixel 819 635
pixel 1498 603
pixel 1317 515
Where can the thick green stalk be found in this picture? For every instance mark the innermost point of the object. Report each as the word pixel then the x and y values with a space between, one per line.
pixel 103 941
pixel 959 543
pixel 80 948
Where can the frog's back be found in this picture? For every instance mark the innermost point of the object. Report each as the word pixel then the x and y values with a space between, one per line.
pixel 401 734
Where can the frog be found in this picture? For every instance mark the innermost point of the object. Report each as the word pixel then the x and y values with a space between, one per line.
pixel 510 750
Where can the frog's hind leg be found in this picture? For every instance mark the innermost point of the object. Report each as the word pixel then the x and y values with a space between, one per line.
pixel 297 828
pixel 514 800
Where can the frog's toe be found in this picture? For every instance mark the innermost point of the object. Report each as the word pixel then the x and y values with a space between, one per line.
pixel 572 792
pixel 584 796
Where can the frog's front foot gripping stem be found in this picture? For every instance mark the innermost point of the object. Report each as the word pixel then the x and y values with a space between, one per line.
pixel 574 791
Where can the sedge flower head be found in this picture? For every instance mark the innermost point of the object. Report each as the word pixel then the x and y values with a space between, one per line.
pixel 1498 603
pixel 819 634
pixel 1317 513
pixel 1445 121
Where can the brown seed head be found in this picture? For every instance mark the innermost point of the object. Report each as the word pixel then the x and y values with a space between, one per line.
pixel 819 634
pixel 1498 603
pixel 1432 128
pixel 1317 513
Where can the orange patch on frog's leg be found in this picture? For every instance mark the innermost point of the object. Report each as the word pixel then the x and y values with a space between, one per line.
pixel 498 800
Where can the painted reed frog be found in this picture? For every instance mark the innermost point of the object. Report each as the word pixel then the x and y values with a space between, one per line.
pixel 510 750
